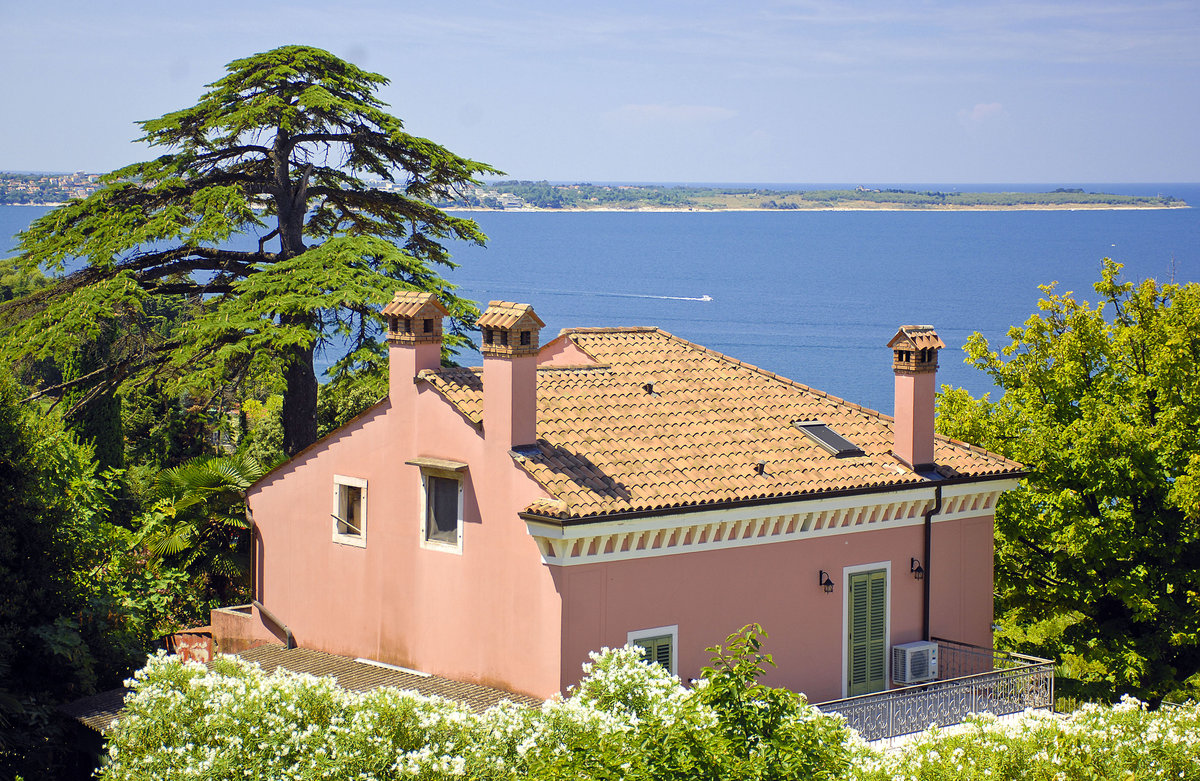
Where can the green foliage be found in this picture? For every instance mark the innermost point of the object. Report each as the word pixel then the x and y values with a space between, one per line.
pixel 262 437
pixel 199 526
pixel 770 732
pixel 340 401
pixel 16 281
pixel 1098 551
pixel 59 637
pixel 275 149
pixel 162 429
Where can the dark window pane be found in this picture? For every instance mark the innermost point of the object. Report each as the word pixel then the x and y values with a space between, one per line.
pixel 656 649
pixel 441 518
pixel 350 510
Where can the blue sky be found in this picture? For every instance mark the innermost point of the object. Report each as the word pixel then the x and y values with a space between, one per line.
pixel 755 91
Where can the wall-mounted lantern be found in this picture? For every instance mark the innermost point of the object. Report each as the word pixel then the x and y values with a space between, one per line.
pixel 916 569
pixel 826 583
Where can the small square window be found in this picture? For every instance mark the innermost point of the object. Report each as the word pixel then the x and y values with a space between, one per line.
pixel 349 510
pixel 441 522
pixel 525 339
pixel 658 646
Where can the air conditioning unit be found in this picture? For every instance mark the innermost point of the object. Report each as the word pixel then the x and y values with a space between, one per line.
pixel 914 662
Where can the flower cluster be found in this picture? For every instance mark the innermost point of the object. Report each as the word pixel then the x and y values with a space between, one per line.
pixel 1124 741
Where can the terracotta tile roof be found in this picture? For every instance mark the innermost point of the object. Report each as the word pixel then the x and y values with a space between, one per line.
pixel 664 423
pixel 506 314
pixel 101 710
pixel 463 386
pixel 363 677
pixel 407 303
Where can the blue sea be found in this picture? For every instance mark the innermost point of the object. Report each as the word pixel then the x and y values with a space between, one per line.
pixel 814 296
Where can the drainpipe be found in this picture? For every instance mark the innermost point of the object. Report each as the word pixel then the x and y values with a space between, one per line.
pixel 291 639
pixel 937 507
pixel 253 554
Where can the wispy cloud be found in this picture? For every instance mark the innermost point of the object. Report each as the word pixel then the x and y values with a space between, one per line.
pixel 981 113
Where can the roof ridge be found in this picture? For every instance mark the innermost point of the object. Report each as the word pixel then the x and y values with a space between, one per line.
pixel 978 449
pixel 576 367
pixel 608 329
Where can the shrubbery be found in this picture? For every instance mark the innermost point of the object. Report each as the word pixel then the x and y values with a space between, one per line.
pixel 1125 741
pixel 626 720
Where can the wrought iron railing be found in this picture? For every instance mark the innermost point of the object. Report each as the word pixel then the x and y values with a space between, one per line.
pixel 971 679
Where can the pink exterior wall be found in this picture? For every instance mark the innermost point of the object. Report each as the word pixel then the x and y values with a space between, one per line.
pixel 961 589
pixel 242 627
pixel 490 615
pixel 710 594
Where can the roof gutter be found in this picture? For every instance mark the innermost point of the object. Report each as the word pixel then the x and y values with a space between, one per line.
pixel 736 503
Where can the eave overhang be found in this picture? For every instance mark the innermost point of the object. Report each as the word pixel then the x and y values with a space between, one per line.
pixel 617 536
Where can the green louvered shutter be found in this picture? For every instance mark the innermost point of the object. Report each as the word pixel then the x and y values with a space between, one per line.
pixel 867 632
pixel 656 649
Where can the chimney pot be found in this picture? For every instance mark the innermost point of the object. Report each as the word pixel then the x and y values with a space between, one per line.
pixel 410 352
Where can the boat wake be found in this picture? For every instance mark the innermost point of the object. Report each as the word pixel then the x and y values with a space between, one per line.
pixel 704 297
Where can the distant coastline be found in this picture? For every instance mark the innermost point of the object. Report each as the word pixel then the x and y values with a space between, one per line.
pixel 873 208
pixel 51 190
pixel 543 196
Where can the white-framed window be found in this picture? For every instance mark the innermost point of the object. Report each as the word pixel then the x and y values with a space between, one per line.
pixel 660 644
pixel 441 509
pixel 349 513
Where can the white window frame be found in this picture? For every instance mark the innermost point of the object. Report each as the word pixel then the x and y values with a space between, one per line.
pixel 457 476
pixel 887 621
pixel 339 482
pixel 659 631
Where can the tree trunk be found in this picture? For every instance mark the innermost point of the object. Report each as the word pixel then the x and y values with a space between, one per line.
pixel 299 400
pixel 300 397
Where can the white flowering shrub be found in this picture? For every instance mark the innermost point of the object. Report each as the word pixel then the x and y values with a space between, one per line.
pixel 617 682
pixel 1125 741
pixel 626 720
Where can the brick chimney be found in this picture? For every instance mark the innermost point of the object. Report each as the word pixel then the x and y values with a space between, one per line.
pixel 914 361
pixel 510 345
pixel 414 338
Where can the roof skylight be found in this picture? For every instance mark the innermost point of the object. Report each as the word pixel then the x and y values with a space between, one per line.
pixel 827 438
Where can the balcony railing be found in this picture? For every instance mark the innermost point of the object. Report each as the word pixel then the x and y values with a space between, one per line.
pixel 971 679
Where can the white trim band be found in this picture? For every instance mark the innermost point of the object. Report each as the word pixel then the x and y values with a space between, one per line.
pixel 664 535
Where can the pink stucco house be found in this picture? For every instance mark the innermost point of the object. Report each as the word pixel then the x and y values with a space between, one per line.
pixel 622 485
